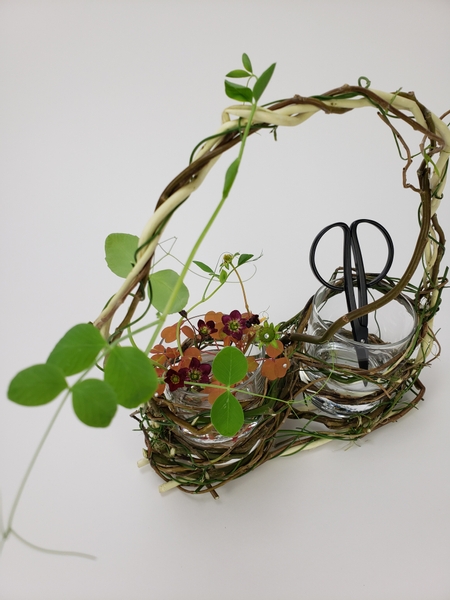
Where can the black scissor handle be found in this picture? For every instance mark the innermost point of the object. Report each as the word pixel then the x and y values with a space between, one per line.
pixel 357 248
pixel 351 245
pixel 312 253
pixel 361 279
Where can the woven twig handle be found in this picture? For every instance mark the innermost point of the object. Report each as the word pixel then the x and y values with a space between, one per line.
pixel 435 149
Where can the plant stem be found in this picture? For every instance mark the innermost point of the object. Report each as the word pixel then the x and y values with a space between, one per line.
pixel 197 244
pixel 180 280
pixel 205 298
pixel 243 289
pixel 50 551
pixel 8 529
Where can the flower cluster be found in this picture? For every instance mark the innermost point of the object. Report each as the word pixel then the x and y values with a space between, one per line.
pixel 194 374
pixel 182 366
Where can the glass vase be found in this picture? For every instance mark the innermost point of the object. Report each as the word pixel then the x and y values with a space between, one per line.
pixel 191 404
pixel 390 331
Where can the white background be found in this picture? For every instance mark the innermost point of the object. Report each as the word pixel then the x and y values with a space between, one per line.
pixel 100 105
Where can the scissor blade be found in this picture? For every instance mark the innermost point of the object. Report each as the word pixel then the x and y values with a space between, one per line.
pixel 363 358
pixel 361 334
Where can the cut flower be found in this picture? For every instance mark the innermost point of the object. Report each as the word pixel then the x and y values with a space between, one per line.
pixel 206 329
pixel 234 324
pixel 196 373
pixel 174 379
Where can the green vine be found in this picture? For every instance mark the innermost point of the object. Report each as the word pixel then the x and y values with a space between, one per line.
pixel 129 377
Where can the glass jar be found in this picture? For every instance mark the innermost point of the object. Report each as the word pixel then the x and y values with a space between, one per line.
pixel 189 404
pixel 391 328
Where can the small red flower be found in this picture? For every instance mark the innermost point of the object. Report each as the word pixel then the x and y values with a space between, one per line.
pixel 206 329
pixel 234 324
pixel 252 320
pixel 174 379
pixel 196 373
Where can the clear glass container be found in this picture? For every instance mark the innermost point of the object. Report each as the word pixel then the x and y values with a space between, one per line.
pixel 189 403
pixel 390 331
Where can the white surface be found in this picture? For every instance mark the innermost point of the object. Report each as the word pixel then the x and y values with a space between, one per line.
pixel 100 106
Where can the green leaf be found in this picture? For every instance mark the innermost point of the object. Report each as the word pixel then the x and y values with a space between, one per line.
pixel 119 250
pixel 162 284
pixel 247 63
pixel 238 73
pixel 230 176
pixel 243 258
pixel 203 267
pixel 37 385
pixel 238 92
pixel 130 373
pixel 227 415
pixel 230 365
pixel 77 349
pixel 94 402
pixel 223 275
pixel 261 83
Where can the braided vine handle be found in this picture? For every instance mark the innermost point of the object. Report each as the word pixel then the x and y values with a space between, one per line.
pixel 432 174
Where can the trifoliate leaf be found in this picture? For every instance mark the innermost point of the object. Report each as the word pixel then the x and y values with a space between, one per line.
pixel 130 373
pixel 94 402
pixel 37 385
pixel 77 349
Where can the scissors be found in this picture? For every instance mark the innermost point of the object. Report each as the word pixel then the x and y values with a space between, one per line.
pixel 360 328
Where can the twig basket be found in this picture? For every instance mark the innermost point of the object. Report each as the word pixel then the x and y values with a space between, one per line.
pixel 198 470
